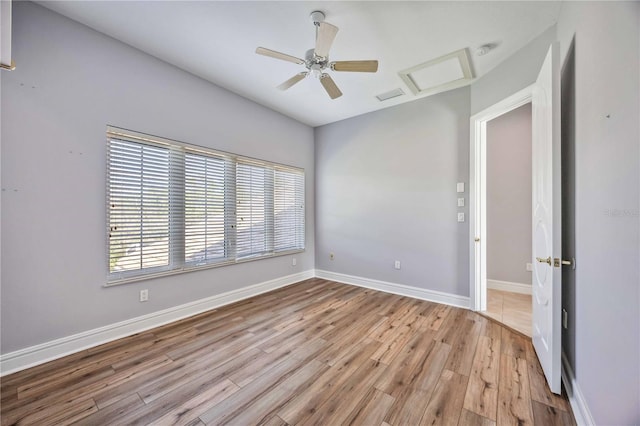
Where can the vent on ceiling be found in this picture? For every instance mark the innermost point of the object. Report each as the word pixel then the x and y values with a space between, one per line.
pixel 437 75
pixel 390 94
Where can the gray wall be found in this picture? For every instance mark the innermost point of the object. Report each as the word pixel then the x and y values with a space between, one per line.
pixel 69 84
pixel 601 106
pixel 513 74
pixel 386 190
pixel 509 196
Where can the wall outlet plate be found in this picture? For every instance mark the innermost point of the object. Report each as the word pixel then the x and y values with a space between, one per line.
pixel 294 262
pixel 397 264
pixel 144 295
pixel 460 217
pixel 460 202
pixel 460 187
pixel 529 267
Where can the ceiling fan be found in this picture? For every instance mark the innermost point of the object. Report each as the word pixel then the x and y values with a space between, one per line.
pixel 317 60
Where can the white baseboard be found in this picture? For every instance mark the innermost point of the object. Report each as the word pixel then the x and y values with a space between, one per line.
pixel 400 289
pixel 509 286
pixel 48 351
pixel 579 405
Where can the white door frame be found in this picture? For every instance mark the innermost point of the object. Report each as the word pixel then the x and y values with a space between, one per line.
pixel 478 194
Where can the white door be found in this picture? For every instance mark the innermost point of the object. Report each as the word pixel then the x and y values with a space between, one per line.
pixel 547 284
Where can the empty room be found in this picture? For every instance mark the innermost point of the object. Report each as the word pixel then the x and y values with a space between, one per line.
pixel 308 212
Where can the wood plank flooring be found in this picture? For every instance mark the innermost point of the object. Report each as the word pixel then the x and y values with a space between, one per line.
pixel 317 352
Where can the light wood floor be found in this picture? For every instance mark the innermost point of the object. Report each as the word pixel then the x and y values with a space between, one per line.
pixel 316 352
pixel 511 309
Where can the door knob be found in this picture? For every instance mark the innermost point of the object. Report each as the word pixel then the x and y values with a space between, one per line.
pixel 544 260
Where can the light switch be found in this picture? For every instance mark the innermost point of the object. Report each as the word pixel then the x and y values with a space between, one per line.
pixel 460 217
pixel 460 202
pixel 460 187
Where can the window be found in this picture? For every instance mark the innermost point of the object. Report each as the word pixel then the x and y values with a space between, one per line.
pixel 139 207
pixel 174 207
pixel 288 207
pixel 254 209
pixel 205 221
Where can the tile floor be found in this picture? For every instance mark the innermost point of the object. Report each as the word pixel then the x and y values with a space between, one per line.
pixel 512 309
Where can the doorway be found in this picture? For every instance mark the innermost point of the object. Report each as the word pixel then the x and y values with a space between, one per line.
pixel 478 192
pixel 544 95
pixel 509 218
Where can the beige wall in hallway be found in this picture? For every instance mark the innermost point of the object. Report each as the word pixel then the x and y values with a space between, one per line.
pixel 509 196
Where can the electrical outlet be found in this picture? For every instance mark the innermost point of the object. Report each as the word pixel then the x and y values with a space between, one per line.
pixel 397 264
pixel 565 318
pixel 529 266
pixel 331 256
pixel 460 202
pixel 460 217
pixel 144 295
pixel 294 262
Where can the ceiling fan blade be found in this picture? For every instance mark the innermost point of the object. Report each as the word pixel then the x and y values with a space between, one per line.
pixel 293 80
pixel 324 38
pixel 278 55
pixel 355 66
pixel 330 86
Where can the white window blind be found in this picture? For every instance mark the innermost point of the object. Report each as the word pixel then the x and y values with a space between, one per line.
pixel 288 210
pixel 174 207
pixel 204 209
pixel 254 186
pixel 138 196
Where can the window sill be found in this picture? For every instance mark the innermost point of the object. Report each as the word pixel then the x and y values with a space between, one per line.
pixel 146 277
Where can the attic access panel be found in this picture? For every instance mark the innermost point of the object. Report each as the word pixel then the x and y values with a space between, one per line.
pixel 438 75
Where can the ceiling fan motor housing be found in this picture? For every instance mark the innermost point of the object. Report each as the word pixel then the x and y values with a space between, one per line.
pixel 317 17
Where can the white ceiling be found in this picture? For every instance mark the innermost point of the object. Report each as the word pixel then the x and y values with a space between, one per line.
pixel 216 40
